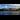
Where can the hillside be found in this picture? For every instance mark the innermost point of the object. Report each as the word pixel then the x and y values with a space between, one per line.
pixel 14 9
pixel 10 9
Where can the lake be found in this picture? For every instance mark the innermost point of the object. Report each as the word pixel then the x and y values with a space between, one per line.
pixel 4 12
pixel 9 12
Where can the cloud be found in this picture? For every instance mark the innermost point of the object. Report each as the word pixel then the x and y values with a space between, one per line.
pixel 6 6
pixel 10 6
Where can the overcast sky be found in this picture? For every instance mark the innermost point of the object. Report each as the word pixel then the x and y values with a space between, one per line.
pixel 9 5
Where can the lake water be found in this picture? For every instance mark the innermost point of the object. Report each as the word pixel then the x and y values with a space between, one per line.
pixel 4 12
pixel 9 12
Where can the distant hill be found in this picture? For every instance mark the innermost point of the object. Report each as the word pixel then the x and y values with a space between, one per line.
pixel 14 9
pixel 10 9
pixel 4 9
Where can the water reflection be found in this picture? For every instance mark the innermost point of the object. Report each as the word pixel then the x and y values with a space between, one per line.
pixel 9 12
pixel 4 12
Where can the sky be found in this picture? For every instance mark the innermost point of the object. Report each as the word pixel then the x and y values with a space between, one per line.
pixel 9 5
pixel 5 6
pixel 15 5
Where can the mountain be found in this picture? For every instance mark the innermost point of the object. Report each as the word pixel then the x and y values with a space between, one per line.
pixel 4 9
pixel 10 9
pixel 14 9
